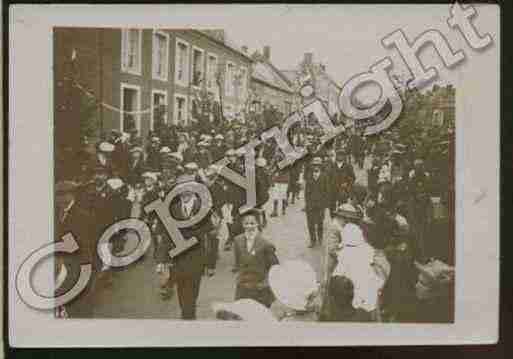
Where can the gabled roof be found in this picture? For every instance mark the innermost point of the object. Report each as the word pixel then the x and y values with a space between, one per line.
pixel 226 42
pixel 264 71
pixel 292 75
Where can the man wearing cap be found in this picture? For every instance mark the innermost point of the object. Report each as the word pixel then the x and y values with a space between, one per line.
pixel 71 216
pixel 341 177
pixel 188 267
pixel 135 166
pixel 236 198
pixel 102 211
pixel 219 148
pixel 356 146
pixel 420 206
pixel 203 157
pixel 104 156
pixel 120 154
pixel 315 200
pixel 153 155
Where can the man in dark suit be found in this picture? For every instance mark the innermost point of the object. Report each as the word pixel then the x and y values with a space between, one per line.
pixel 188 267
pixel 315 199
pixel 72 217
pixel 341 178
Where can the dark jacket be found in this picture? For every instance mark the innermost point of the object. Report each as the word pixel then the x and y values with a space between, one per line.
pixel 191 262
pixel 254 266
pixel 135 171
pixel 340 179
pixel 316 193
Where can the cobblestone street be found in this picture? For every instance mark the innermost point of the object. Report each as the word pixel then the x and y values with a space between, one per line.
pixel 134 293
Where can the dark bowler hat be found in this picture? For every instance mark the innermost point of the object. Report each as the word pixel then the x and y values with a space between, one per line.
pixel 341 153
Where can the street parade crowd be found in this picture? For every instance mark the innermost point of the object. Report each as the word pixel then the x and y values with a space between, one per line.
pixel 387 248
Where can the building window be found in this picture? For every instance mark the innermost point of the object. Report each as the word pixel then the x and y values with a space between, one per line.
pixel 229 78
pixel 180 110
pixel 211 71
pixel 182 63
pixel 131 42
pixel 130 106
pixel 197 66
pixel 243 83
pixel 158 109
pixel 160 55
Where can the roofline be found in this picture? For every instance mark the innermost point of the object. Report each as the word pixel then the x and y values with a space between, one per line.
pixel 271 85
pixel 238 52
pixel 283 77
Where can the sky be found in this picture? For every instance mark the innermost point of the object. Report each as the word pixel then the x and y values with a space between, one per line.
pixel 346 38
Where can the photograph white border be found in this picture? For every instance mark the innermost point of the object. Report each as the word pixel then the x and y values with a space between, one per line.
pixel 31 199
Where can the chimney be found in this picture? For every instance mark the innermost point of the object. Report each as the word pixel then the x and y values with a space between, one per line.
pixel 244 49
pixel 267 53
pixel 308 58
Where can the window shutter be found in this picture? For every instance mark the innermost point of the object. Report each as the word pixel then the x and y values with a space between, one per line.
pixel 124 48
pixel 154 54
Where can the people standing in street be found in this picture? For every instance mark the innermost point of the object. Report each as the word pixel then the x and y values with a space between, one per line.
pixel 254 257
pixel 315 200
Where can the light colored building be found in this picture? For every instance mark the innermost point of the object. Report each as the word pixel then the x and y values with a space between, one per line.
pixel 326 89
pixel 269 87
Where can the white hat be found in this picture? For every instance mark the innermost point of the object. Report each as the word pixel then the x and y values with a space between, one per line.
pixel 165 149
pixel 151 175
pixel 292 283
pixel 106 147
pixel 219 137
pixel 261 162
pixel 247 309
pixel 136 149
pixel 191 166
pixel 115 183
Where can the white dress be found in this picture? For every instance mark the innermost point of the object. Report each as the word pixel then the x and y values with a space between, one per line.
pixel 355 261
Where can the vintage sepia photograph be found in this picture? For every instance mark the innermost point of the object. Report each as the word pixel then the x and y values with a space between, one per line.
pixel 254 175
pixel 360 228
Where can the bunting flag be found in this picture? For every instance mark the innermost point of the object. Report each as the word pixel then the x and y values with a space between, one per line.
pixel 106 105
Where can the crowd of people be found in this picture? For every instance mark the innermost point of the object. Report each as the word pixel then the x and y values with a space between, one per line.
pixel 384 233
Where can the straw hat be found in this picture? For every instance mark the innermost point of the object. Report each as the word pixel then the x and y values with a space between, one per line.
pixel 292 283
pixel 261 162
pixel 106 147
pixel 151 175
pixel 191 166
pixel 348 211
pixel 246 309
pixel 115 183
pixel 136 149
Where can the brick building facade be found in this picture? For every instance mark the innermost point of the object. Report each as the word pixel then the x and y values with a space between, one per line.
pixel 143 77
